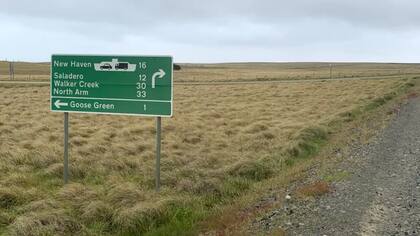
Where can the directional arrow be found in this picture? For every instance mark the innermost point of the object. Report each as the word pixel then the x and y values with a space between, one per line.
pixel 159 74
pixel 58 104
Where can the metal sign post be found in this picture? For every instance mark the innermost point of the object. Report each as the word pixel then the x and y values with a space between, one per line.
pixel 158 142
pixel 66 147
pixel 11 71
pixel 331 71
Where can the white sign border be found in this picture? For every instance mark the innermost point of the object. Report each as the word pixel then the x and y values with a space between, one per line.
pixel 106 113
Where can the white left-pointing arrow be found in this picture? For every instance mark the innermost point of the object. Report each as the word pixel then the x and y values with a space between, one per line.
pixel 58 104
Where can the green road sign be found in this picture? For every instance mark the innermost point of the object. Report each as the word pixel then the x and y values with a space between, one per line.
pixel 131 85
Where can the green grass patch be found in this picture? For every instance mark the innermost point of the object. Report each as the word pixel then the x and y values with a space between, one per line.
pixel 336 177
pixel 11 197
pixel 377 102
pixel 307 142
pixel 180 218
pixel 253 170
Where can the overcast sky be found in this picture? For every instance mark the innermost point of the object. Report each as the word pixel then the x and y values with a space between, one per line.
pixel 214 30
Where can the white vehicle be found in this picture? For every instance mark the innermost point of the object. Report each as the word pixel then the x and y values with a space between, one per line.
pixel 114 65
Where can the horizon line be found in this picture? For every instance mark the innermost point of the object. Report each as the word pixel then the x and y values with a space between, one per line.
pixel 254 62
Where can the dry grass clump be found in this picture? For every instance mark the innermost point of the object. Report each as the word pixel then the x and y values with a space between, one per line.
pixel 5 219
pixel 139 218
pixel 76 195
pixel 97 211
pixel 10 197
pixel 35 159
pixel 17 179
pixel 125 195
pixel 52 222
pixel 316 189
pixel 56 170
pixel 253 169
pixel 39 205
pixel 206 187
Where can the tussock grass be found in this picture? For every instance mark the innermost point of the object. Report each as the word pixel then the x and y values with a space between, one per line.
pixel 39 205
pixel 125 195
pixel 139 218
pixel 52 222
pixel 97 211
pixel 10 197
pixel 307 141
pixel 253 169
pixel 5 220
pixel 76 195
pixel 221 141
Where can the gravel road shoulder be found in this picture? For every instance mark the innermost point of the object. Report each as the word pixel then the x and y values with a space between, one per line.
pixel 380 196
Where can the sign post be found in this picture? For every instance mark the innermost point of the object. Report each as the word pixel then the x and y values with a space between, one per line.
pixel 66 147
pixel 158 142
pixel 112 84
pixel 11 71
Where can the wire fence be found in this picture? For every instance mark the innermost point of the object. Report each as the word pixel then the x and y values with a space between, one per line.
pixel 232 72
pixel 12 70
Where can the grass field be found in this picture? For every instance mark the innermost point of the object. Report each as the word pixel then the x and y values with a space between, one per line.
pixel 221 140
pixel 290 71
pixel 244 71
pixel 25 71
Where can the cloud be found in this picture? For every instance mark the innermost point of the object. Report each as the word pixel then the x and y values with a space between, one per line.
pixel 145 14
pixel 246 30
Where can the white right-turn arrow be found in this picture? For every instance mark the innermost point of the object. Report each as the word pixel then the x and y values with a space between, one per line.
pixel 158 74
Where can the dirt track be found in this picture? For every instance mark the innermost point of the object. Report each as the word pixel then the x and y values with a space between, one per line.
pixel 379 197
